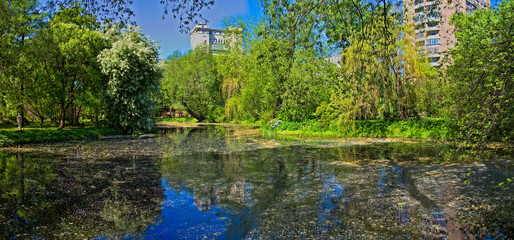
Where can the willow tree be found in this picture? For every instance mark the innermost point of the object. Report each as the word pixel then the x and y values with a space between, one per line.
pixel 293 26
pixel 193 82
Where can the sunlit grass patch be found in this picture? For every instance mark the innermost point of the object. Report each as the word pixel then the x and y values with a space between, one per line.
pixel 427 128
pixel 9 135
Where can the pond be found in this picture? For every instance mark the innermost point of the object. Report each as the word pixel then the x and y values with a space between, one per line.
pixel 230 182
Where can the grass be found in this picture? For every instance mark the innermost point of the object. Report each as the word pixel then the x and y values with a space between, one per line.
pixel 175 120
pixel 425 128
pixel 10 136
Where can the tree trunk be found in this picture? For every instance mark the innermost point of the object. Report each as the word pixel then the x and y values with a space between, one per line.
pixel 63 116
pixel 197 116
pixel 76 115
pixel 72 115
pixel 401 98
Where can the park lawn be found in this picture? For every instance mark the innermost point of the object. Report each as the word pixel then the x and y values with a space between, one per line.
pixel 10 136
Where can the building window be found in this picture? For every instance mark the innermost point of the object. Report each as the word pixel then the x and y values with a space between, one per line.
pixel 433 15
pixel 418 18
pixel 470 7
pixel 433 41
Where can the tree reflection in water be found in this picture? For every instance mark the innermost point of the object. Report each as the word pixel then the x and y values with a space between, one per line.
pixel 293 191
pixel 227 183
pixel 50 197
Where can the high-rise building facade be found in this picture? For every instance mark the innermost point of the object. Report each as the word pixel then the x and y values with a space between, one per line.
pixel 214 38
pixel 433 33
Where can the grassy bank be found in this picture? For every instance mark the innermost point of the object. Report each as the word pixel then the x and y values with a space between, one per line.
pixel 175 120
pixel 10 136
pixel 426 128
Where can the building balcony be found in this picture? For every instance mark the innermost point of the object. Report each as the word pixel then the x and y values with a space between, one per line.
pixel 432 19
pixel 430 3
pixel 436 28
pixel 435 64
pixel 434 55
pixel 420 30
pixel 219 47
pixel 420 39
pixel 432 36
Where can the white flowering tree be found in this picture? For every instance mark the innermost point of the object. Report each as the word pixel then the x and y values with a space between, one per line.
pixel 132 69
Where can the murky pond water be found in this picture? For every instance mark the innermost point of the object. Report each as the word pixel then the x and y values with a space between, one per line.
pixel 219 182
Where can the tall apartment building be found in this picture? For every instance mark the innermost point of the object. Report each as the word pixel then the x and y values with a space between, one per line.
pixel 214 38
pixel 433 32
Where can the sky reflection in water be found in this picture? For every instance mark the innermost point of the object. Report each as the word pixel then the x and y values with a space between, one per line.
pixel 219 183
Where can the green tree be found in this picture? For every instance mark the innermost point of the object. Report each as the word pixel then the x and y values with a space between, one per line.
pixel 481 70
pixel 267 66
pixel 67 49
pixel 231 65
pixel 309 84
pixel 19 20
pixel 193 82
pixel 131 66
pixel 295 25
pixel 383 75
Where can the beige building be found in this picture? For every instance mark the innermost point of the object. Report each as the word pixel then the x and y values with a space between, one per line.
pixel 212 37
pixel 433 31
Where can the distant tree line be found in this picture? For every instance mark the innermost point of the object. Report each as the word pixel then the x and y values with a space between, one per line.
pixel 68 61
pixel 282 71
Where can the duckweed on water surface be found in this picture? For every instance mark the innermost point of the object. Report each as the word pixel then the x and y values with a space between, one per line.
pixel 228 182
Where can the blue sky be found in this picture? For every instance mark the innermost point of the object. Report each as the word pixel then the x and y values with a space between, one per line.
pixel 166 32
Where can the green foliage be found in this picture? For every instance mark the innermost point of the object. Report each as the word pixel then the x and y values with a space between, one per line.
pixel 267 70
pixel 232 69
pixel 307 86
pixel 19 20
pixel 481 71
pixel 68 72
pixel 192 81
pixel 425 128
pixel 131 67
pixel 176 120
